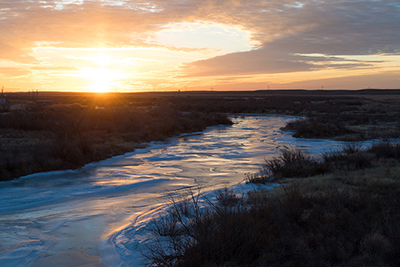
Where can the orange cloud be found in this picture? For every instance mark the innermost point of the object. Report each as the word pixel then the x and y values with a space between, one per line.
pixel 288 32
pixel 13 72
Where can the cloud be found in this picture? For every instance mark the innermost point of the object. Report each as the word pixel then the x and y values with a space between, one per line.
pixel 323 27
pixel 382 80
pixel 346 28
pixel 385 80
pixel 265 61
pixel 25 26
pixel 283 29
pixel 14 72
pixel 54 68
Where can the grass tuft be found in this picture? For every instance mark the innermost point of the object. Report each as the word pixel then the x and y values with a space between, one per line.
pixel 347 216
pixel 296 164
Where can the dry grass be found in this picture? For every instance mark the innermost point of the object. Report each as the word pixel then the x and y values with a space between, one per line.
pixel 306 222
pixel 296 164
pixel 347 217
pixel 70 136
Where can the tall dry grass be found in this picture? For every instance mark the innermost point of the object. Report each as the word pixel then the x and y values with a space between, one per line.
pixel 74 135
pixel 345 217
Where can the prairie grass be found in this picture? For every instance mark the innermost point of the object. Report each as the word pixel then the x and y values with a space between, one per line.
pixel 70 136
pixel 290 164
pixel 296 164
pixel 344 217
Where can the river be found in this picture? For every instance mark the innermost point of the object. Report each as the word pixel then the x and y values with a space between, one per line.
pixel 96 216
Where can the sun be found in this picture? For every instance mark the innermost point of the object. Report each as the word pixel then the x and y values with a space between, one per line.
pixel 102 60
pixel 103 77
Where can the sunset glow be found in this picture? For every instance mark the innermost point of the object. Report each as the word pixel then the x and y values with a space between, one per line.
pixel 133 46
pixel 102 78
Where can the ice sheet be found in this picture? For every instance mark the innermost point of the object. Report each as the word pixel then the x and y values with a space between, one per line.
pixel 97 215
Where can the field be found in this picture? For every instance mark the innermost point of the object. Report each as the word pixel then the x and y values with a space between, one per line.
pixel 68 135
pixel 78 128
pixel 339 209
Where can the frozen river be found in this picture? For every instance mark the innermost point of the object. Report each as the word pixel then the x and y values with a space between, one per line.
pixel 95 216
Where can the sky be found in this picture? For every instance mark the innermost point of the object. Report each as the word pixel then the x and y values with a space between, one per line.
pixel 155 45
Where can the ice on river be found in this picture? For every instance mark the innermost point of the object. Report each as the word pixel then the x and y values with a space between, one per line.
pixel 96 216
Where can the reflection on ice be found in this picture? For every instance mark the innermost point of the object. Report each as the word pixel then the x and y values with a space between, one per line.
pixel 97 214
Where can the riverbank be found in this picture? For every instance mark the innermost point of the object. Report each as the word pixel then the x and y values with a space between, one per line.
pixel 343 115
pixel 342 210
pixel 118 196
pixel 99 212
pixel 78 128
pixel 69 136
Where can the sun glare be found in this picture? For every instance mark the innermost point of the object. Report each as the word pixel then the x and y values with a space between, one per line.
pixel 103 78
pixel 102 60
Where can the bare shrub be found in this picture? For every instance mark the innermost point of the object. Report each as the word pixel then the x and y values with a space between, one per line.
pixel 226 197
pixel 375 243
pixel 340 160
pixel 296 164
pixel 335 227
pixel 351 147
pixel 385 149
pixel 290 164
pixel 317 127
pixel 213 234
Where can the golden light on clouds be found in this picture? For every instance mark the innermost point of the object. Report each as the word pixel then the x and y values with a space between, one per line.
pixel 129 45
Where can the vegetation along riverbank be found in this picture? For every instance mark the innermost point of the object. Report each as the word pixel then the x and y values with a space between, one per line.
pixel 338 210
pixel 68 136
pixel 53 131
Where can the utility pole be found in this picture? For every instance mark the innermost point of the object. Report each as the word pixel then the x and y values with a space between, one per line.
pixel 2 99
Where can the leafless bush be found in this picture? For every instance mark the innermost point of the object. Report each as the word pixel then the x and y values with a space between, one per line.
pixel 335 227
pixel 385 149
pixel 290 164
pixel 351 147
